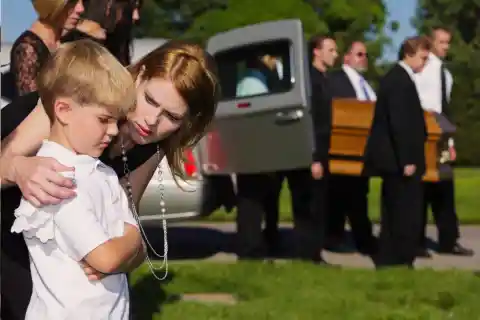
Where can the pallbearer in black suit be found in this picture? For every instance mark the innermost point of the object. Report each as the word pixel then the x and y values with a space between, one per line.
pixel 348 194
pixel 395 151
pixel 434 85
pixel 323 51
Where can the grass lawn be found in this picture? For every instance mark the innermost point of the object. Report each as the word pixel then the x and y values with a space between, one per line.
pixel 467 183
pixel 293 291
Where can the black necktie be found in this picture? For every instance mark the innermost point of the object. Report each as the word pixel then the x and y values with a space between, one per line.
pixel 444 89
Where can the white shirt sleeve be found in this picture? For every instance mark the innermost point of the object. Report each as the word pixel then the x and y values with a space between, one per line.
pixel 79 227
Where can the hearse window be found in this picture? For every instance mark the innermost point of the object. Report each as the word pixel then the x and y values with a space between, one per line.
pixel 253 70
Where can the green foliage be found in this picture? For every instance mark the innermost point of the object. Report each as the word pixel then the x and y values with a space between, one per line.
pixel 241 13
pixel 462 17
pixel 353 20
pixel 170 18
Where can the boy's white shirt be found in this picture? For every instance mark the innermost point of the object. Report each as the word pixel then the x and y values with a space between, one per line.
pixel 59 236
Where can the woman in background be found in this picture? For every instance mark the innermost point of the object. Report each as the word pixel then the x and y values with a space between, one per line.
pixel 119 40
pixel 97 20
pixel 32 48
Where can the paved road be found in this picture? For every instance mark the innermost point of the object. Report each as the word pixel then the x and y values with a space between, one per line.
pixel 207 241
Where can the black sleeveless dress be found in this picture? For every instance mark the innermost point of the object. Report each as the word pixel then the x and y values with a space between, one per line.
pixel 16 281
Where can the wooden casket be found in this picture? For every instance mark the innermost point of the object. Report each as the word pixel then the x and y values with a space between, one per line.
pixel 350 128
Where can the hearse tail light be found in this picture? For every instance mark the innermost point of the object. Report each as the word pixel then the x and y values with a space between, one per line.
pixel 242 105
pixel 189 164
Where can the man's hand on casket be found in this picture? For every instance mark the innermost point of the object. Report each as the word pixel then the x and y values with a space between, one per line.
pixel 317 170
pixel 453 154
pixel 409 170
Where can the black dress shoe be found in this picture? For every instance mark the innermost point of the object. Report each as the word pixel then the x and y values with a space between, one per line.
pixel 457 250
pixel 273 241
pixel 339 247
pixel 319 261
pixel 423 253
pixel 370 249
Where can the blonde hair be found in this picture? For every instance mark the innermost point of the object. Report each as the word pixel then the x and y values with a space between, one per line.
pixel 87 73
pixel 51 11
pixel 194 74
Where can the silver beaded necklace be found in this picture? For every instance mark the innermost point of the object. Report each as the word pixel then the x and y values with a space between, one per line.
pixel 163 210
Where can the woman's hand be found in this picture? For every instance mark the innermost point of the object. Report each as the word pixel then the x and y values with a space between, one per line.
pixel 40 181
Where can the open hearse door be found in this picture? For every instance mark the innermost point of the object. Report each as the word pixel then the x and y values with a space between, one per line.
pixel 263 120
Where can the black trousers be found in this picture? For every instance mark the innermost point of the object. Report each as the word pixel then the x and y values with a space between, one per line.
pixel 272 206
pixel 401 220
pixel 217 191
pixel 253 191
pixel 257 197
pixel 311 227
pixel 349 199
pixel 441 197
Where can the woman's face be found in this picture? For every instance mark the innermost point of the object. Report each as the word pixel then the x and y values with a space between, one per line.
pixel 160 111
pixel 136 12
pixel 73 15
pixel 136 15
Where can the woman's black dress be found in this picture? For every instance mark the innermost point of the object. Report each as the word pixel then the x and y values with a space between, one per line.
pixel 16 281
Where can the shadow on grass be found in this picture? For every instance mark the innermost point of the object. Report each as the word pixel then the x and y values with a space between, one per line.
pixel 198 242
pixel 148 296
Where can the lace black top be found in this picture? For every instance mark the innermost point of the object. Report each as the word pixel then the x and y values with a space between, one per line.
pixel 27 56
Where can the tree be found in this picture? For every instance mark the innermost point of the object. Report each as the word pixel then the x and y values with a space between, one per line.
pixel 352 20
pixel 462 18
pixel 241 13
pixel 170 18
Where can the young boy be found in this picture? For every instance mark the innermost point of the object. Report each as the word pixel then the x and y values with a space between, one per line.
pixel 84 90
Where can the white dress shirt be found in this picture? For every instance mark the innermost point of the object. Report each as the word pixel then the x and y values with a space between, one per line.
pixel 408 69
pixel 429 84
pixel 356 80
pixel 59 236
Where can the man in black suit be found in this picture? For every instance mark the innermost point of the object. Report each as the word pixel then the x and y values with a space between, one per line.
pixel 348 194
pixel 323 51
pixel 395 151
pixel 434 85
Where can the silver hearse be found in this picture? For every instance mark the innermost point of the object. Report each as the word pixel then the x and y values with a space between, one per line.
pixel 260 130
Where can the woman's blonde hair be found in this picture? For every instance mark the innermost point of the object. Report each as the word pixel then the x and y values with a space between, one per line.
pixel 51 11
pixel 194 74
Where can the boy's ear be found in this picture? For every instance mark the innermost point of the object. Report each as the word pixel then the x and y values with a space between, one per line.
pixel 63 111
pixel 138 81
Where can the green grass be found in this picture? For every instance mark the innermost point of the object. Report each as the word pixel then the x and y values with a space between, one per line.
pixel 467 184
pixel 302 291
